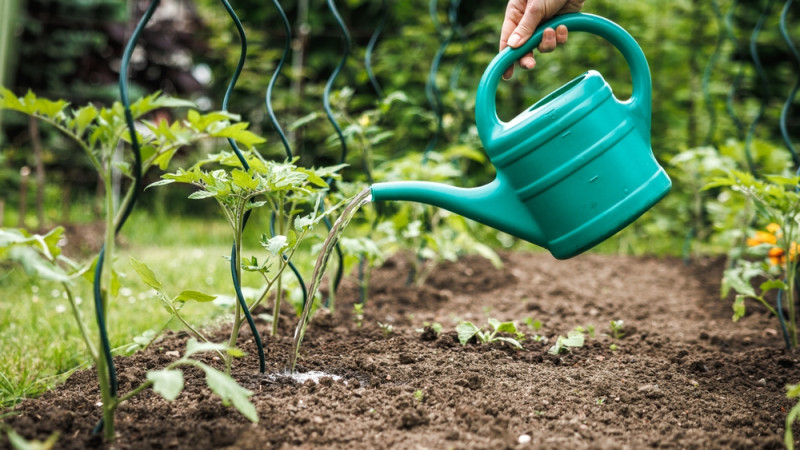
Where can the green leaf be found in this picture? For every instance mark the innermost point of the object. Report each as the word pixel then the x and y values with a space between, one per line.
pixel 313 178
pixel 466 330
pixel 733 278
pixel 201 194
pixel 160 183
pixel 301 223
pixel 230 392
pixel 146 274
pixel 512 341
pixel 574 339
pixel 772 284
pixel 194 296
pixel 738 307
pixel 302 121
pixel 20 443
pixel 243 180
pixel 168 383
pixel 83 118
pixel 35 264
pixel 238 133
pixel 502 327
pixel 276 244
pixel 563 344
pixel 193 347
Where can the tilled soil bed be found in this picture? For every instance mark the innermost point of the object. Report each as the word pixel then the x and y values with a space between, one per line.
pixel 683 376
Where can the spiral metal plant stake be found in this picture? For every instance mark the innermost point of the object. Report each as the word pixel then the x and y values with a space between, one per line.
pixel 729 101
pixel 431 88
pixel 371 47
pixel 458 30
pixel 787 106
pixel 287 148
pixel 326 103
pixel 242 303
pixel 762 78
pixel 109 372
pixel 712 61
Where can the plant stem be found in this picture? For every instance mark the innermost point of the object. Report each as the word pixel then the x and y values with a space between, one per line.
pixel 108 400
pixel 791 297
pixel 81 323
pixel 276 310
pixel 237 315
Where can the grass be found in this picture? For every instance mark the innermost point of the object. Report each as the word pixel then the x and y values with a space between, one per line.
pixel 41 342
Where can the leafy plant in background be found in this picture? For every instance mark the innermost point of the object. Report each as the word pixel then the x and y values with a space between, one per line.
pixel 98 132
pixel 285 189
pixel 770 253
pixel 468 330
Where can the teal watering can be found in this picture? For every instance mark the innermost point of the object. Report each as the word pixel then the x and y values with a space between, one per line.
pixel 573 169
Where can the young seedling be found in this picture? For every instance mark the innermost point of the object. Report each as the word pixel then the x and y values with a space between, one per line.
pixel 358 314
pixel 386 328
pixel 468 330
pixel 285 189
pixel 793 391
pixel 435 326
pixel 616 329
pixel 574 339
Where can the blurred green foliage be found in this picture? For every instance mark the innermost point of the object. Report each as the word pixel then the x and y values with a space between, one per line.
pixel 70 49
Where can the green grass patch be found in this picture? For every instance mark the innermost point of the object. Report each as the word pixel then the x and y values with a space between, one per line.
pixel 41 342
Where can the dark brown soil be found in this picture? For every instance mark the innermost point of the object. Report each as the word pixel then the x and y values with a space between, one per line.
pixel 683 376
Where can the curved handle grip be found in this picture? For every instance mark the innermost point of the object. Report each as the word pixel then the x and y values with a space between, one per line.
pixel 485 103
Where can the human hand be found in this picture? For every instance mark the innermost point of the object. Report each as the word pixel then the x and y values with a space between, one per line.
pixel 522 18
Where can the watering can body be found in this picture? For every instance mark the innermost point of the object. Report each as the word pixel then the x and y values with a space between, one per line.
pixel 573 169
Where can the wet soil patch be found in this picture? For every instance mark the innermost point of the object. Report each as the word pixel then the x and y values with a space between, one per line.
pixel 682 376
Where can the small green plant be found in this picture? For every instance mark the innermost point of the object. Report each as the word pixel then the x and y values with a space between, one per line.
pixel 574 339
pixel 533 325
pixel 617 331
pixel 468 330
pixel 589 329
pixel 358 314
pixel 435 326
pixel 770 253
pixel 419 395
pixel 386 329
pixel 792 391
pixel 285 189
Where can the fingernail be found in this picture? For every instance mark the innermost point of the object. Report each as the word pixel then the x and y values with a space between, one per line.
pixel 513 40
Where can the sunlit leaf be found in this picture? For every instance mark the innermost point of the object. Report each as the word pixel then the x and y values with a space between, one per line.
pixel 168 383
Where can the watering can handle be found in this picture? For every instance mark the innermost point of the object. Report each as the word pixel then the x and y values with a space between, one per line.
pixel 640 102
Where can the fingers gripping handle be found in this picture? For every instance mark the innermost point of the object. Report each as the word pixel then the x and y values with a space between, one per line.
pixel 640 102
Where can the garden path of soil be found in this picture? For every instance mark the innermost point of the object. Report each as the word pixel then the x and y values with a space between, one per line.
pixel 683 376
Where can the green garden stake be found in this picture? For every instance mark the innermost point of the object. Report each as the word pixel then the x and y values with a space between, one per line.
pixel 573 169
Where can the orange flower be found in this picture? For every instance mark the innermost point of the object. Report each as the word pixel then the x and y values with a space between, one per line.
pixel 776 256
pixel 762 237
pixel 774 228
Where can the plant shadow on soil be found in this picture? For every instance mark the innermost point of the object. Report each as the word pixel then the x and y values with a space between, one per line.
pixel 683 376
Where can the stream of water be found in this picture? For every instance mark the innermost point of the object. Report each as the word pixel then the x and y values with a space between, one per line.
pixel 363 197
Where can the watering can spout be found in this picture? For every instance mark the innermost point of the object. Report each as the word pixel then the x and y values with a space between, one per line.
pixel 493 204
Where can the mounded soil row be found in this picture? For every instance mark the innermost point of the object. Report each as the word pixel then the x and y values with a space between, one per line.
pixel 682 376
